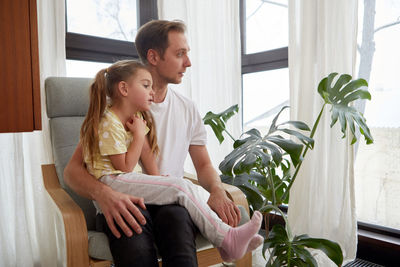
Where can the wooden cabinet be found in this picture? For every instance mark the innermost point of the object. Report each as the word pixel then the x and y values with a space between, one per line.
pixel 19 67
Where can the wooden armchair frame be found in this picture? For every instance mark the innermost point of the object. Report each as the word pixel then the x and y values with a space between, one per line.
pixel 76 234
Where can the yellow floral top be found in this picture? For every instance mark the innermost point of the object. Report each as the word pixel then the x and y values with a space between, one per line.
pixel 113 140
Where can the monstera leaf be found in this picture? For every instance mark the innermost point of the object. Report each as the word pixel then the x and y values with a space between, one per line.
pixel 217 121
pixel 340 96
pixel 287 252
pixel 256 151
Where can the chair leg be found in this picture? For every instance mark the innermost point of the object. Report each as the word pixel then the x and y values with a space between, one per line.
pixel 246 261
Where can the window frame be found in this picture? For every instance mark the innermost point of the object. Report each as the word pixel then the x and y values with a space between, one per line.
pixel 99 49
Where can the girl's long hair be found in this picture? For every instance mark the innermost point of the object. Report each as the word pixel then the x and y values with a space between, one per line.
pixel 103 86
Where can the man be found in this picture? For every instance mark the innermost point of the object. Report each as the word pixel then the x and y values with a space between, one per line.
pixel 162 46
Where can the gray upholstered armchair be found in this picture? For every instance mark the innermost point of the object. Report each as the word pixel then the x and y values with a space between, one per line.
pixel 67 102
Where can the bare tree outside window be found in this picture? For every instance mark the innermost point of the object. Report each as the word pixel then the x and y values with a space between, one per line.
pixel 366 49
pixel 114 19
pixel 377 169
pixel 266 25
pixel 119 14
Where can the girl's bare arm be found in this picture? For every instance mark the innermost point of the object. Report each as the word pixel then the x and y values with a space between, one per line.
pixel 125 162
pixel 148 159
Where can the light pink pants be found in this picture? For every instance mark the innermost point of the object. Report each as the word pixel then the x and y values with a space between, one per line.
pixel 160 190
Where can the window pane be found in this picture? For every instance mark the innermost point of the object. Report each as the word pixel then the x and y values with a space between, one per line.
pixel 114 19
pixel 266 25
pixel 377 169
pixel 264 94
pixel 77 68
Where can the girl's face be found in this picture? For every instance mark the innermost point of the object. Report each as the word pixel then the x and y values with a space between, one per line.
pixel 140 90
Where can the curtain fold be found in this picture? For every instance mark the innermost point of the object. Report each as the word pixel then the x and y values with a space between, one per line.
pixel 322 39
pixel 29 221
pixel 214 80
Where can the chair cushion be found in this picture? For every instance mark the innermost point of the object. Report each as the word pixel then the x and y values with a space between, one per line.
pixel 98 246
pixel 67 97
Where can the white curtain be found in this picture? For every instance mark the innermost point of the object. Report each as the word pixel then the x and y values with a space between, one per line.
pixel 214 80
pixel 322 39
pixel 28 227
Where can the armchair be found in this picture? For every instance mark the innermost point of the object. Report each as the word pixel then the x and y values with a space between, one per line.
pixel 67 102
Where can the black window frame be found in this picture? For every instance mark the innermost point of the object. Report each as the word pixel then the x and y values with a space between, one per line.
pixel 98 49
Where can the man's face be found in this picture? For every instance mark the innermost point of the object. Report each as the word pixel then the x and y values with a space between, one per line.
pixel 175 60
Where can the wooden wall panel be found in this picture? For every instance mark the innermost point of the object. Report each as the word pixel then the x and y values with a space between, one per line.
pixel 19 73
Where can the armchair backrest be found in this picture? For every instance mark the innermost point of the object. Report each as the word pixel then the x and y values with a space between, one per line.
pixel 67 101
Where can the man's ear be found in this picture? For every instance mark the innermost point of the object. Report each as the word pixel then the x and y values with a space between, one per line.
pixel 123 88
pixel 152 56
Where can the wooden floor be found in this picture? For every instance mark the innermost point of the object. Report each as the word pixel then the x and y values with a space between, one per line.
pixel 258 260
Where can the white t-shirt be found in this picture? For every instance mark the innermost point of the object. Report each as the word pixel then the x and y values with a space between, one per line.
pixel 178 125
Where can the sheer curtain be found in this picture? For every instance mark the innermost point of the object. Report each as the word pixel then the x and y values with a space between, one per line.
pixel 322 39
pixel 214 80
pixel 27 226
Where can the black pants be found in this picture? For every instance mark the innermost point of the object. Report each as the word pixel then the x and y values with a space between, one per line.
pixel 169 227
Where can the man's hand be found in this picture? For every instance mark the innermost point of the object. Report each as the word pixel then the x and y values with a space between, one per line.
pixel 224 207
pixel 122 209
pixel 209 179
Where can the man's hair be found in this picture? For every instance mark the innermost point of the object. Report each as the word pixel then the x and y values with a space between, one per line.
pixel 154 35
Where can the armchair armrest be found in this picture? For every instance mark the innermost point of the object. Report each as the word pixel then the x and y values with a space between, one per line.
pixel 74 221
pixel 233 192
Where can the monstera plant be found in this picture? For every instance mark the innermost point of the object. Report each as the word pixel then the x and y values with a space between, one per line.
pixel 264 167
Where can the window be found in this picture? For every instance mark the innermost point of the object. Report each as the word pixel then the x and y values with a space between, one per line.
pixel 377 168
pixel 259 14
pixel 108 19
pixel 264 31
pixel 260 86
pixel 78 68
pixel 103 31
pixel 264 28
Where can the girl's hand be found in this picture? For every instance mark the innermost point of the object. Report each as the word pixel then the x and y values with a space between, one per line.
pixel 136 125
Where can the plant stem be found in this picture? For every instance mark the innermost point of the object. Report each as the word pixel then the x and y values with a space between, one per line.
pixel 271 180
pixel 266 223
pixel 305 151
pixel 230 135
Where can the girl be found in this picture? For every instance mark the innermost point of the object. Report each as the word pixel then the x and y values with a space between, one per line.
pixel 117 134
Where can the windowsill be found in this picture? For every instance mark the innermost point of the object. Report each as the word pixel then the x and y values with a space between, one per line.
pixel 378 238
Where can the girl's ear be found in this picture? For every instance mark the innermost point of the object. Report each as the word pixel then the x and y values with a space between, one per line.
pixel 123 88
pixel 152 56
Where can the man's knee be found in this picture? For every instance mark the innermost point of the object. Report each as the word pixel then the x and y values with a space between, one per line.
pixel 175 233
pixel 137 250
pixel 175 218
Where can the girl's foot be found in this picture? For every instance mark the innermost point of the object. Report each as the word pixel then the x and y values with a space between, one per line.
pixel 255 242
pixel 237 240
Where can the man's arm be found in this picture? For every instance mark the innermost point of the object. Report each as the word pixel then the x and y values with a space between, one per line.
pixel 209 179
pixel 115 206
